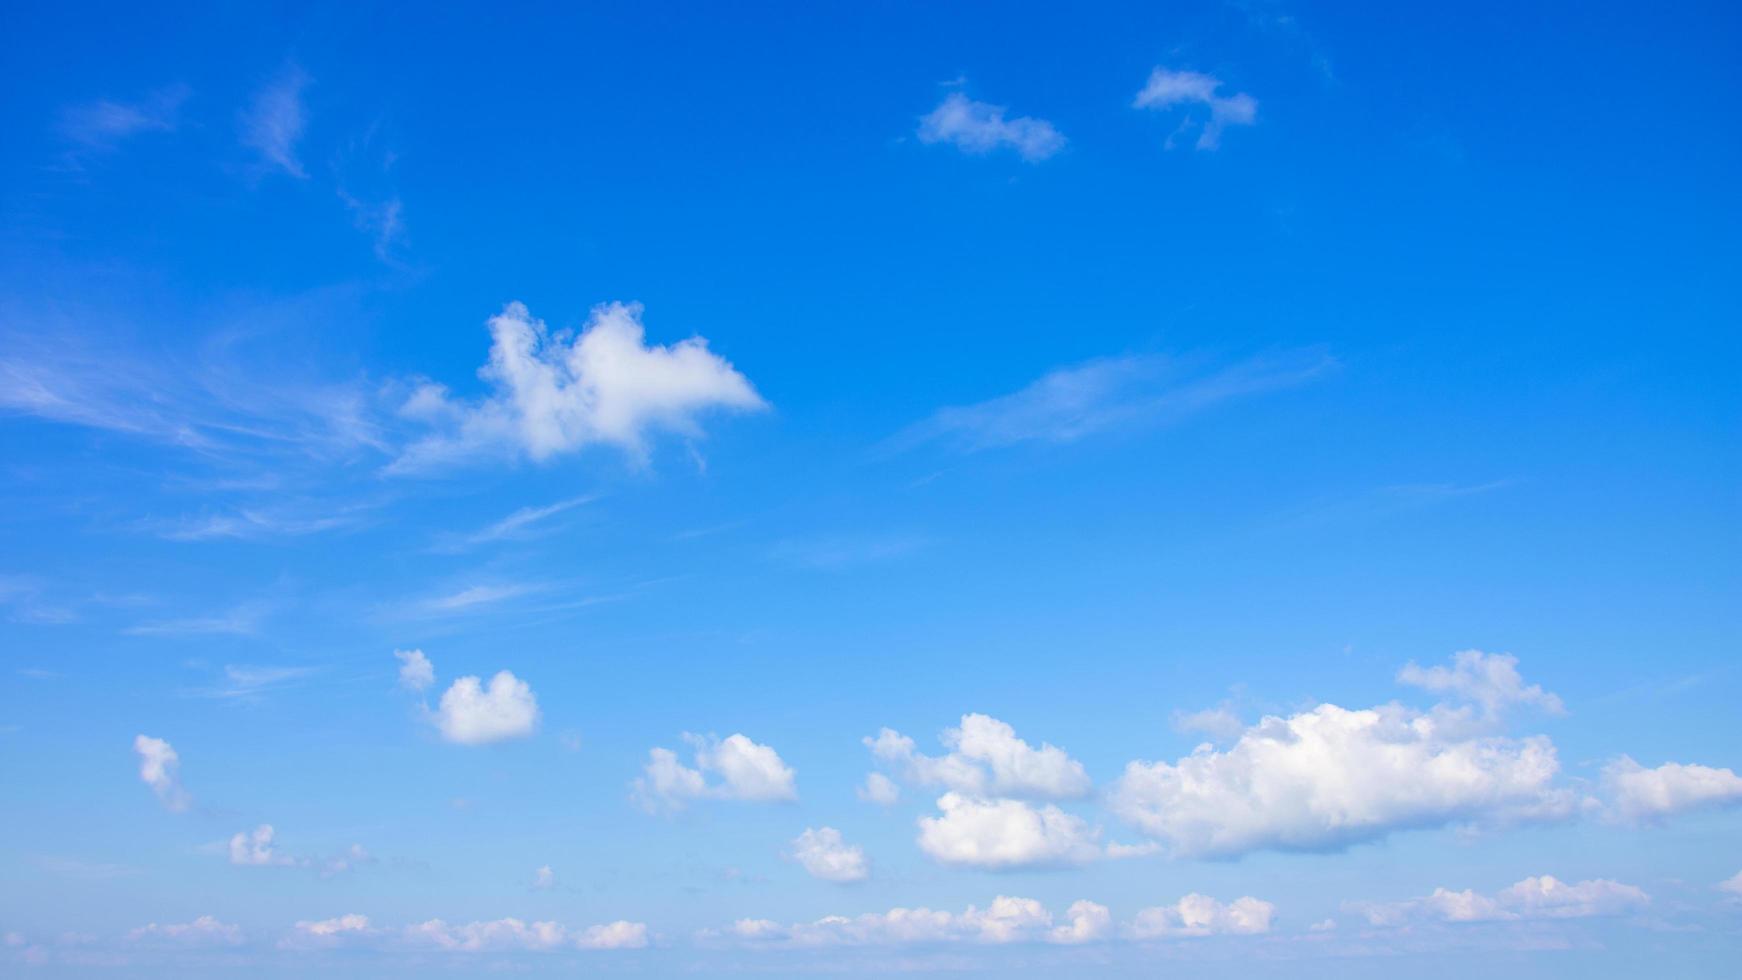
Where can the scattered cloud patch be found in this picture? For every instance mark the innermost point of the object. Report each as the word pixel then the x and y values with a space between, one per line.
pixel 104 123
pixel 329 933
pixel 274 122
pixel 744 771
pixel 471 713
pixel 514 934
pixel 985 758
pixel 879 789
pixel 826 855
pixel 160 769
pixel 1732 884
pixel 544 879
pixel 1004 834
pixel 1487 679
pixel 556 393
pixel 203 931
pixel 980 128
pixel 1167 88
pixel 416 673
pixel 1542 897
pixel 1201 915
pixel 1640 795
pixel 257 848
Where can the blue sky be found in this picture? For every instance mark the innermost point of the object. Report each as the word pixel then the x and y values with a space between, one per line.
pixel 1220 488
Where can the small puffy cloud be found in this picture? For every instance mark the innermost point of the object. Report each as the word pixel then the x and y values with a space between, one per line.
pixel 256 848
pixel 555 395
pixel 613 935
pixel 1201 915
pixel 328 933
pixel 1732 884
pixel 416 673
pixel 1004 834
pixel 544 879
pixel 985 759
pixel 1005 920
pixel 274 122
pixel 746 771
pixel 879 789
pixel 160 769
pixel 203 931
pixel 1640 795
pixel 1167 88
pixel 825 855
pixel 1488 679
pixel 502 935
pixel 978 127
pixel 1331 777
pixel 471 713
pixel 1085 922
pixel 1542 897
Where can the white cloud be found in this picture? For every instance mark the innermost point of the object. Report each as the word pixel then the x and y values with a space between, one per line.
pixel 1542 897
pixel 160 769
pixel 1220 723
pixel 978 127
pixel 328 933
pixel 1732 884
pixel 1004 834
pixel 1166 89
pixel 879 789
pixel 102 124
pixel 473 714
pixel 521 523
pixel 1331 777
pixel 416 673
pixel 985 759
pixel 747 771
pixel 256 848
pixel 544 879
pixel 1200 915
pixel 274 122
pixel 1085 922
pixel 554 395
pixel 1005 920
pixel 825 855
pixel 515 934
pixel 1642 795
pixel 1072 403
pixel 203 931
pixel 1488 679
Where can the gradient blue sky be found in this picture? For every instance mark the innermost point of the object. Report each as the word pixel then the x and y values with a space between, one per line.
pixel 1115 400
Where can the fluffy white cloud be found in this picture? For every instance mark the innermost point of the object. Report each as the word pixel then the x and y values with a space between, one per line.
pixel 1488 679
pixel 1542 897
pixel 544 879
pixel 203 931
pixel 879 789
pixel 1732 884
pixel 978 127
pixel 1004 834
pixel 747 771
pixel 1005 920
pixel 555 395
pixel 825 855
pixel 1200 915
pixel 160 769
pixel 1167 88
pixel 416 673
pixel 514 934
pixel 1642 795
pixel 1085 922
pixel 985 759
pixel 256 848
pixel 472 714
pixel 328 933
pixel 1331 777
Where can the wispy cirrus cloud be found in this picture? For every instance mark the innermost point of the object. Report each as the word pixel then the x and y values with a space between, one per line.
pixel 241 620
pixel 104 123
pixel 273 123
pixel 1107 394
pixel 1168 88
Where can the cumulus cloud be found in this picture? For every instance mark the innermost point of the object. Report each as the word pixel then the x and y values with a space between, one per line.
pixel 544 879
pixel 471 713
pixel 746 771
pixel 985 758
pixel 978 127
pixel 1640 795
pixel 328 933
pixel 416 673
pixel 1085 922
pixel 515 934
pixel 879 789
pixel 1331 777
pixel 1200 915
pixel 1542 897
pixel 1167 88
pixel 1732 884
pixel 1004 834
pixel 554 395
pixel 1005 920
pixel 825 855
pixel 203 931
pixel 274 122
pixel 1487 679
pixel 160 769
pixel 256 848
